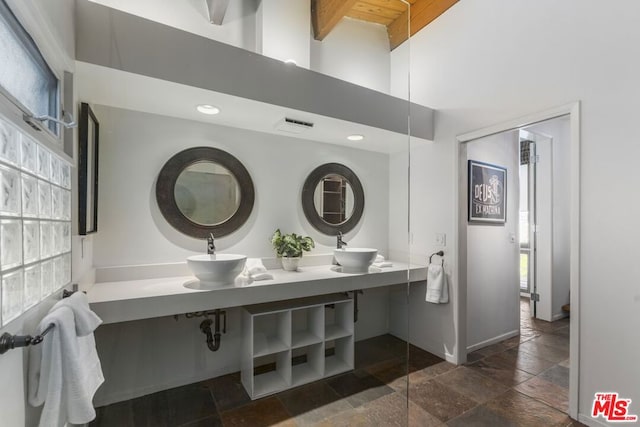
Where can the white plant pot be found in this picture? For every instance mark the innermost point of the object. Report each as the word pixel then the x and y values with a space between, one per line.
pixel 290 263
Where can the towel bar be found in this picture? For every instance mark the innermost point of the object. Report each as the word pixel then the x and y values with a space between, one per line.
pixel 9 342
pixel 439 253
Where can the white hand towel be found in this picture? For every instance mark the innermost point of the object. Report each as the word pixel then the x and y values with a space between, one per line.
pixel 262 276
pixel 243 279
pixel 255 266
pixel 253 270
pixel 383 264
pixel 64 370
pixel 437 291
pixel 379 258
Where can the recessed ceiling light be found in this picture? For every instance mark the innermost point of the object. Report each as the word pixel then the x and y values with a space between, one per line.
pixel 208 109
pixel 291 62
pixel 355 137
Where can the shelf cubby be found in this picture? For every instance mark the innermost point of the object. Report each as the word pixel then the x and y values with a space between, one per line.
pixel 271 333
pixel 338 320
pixel 306 326
pixel 307 364
pixel 271 374
pixel 338 356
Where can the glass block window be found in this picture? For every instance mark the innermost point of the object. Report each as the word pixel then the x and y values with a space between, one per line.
pixel 24 74
pixel 35 222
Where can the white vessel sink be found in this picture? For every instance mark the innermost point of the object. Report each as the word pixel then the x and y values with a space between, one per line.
pixel 355 260
pixel 218 270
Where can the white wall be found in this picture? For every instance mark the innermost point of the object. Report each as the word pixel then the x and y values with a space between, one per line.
pixel 493 252
pixel 137 356
pixel 468 64
pixel 134 147
pixel 355 51
pixel 237 29
pixel 559 130
pixel 283 30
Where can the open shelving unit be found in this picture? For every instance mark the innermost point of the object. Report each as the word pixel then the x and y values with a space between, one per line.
pixel 294 342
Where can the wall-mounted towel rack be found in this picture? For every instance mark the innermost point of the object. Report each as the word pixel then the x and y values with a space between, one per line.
pixel 439 253
pixel 9 342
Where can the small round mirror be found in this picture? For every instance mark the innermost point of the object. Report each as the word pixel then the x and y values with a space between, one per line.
pixel 333 199
pixel 204 190
pixel 207 193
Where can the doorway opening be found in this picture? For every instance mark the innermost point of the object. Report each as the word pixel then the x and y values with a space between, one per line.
pixel 518 311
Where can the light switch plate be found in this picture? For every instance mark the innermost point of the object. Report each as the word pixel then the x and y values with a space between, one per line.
pixel 441 239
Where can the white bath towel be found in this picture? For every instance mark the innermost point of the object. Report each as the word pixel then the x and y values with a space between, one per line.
pixel 437 290
pixel 64 370
pixel 253 270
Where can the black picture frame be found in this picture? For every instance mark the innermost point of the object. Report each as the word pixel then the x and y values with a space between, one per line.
pixel 88 150
pixel 487 193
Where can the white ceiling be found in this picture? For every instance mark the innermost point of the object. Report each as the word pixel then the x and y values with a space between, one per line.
pixel 106 86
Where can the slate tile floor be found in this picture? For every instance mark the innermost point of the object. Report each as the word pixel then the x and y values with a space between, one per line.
pixel 522 381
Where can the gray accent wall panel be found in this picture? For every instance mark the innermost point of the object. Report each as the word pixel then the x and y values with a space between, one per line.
pixel 114 39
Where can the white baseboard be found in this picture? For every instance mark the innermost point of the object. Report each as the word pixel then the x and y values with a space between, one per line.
pixel 450 358
pixel 559 316
pixel 493 340
pixel 590 421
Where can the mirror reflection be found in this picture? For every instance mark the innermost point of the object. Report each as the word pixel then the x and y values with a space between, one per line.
pixel 333 199
pixel 205 190
pixel 207 193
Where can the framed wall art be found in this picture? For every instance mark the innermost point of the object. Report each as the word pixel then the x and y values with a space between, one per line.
pixel 487 193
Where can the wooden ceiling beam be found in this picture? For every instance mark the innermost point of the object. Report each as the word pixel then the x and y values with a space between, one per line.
pixel 423 12
pixel 327 13
pixel 370 17
pixel 375 9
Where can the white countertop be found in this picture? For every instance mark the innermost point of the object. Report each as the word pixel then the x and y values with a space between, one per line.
pixel 142 299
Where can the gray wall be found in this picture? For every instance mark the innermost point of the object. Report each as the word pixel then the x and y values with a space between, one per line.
pixel 114 39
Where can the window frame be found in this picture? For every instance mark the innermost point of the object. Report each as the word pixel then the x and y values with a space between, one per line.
pixel 52 129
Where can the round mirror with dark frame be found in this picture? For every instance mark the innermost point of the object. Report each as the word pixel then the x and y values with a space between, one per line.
pixel 205 190
pixel 333 199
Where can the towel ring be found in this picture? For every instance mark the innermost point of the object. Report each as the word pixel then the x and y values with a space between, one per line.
pixel 440 254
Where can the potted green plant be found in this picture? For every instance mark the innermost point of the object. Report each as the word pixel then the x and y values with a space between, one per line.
pixel 290 247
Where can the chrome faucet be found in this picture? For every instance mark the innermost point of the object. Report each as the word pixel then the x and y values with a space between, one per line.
pixel 340 243
pixel 211 246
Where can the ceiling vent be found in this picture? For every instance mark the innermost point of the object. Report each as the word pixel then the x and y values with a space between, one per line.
pixel 293 125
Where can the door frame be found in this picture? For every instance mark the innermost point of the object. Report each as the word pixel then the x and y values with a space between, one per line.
pixel 541 208
pixel 571 110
